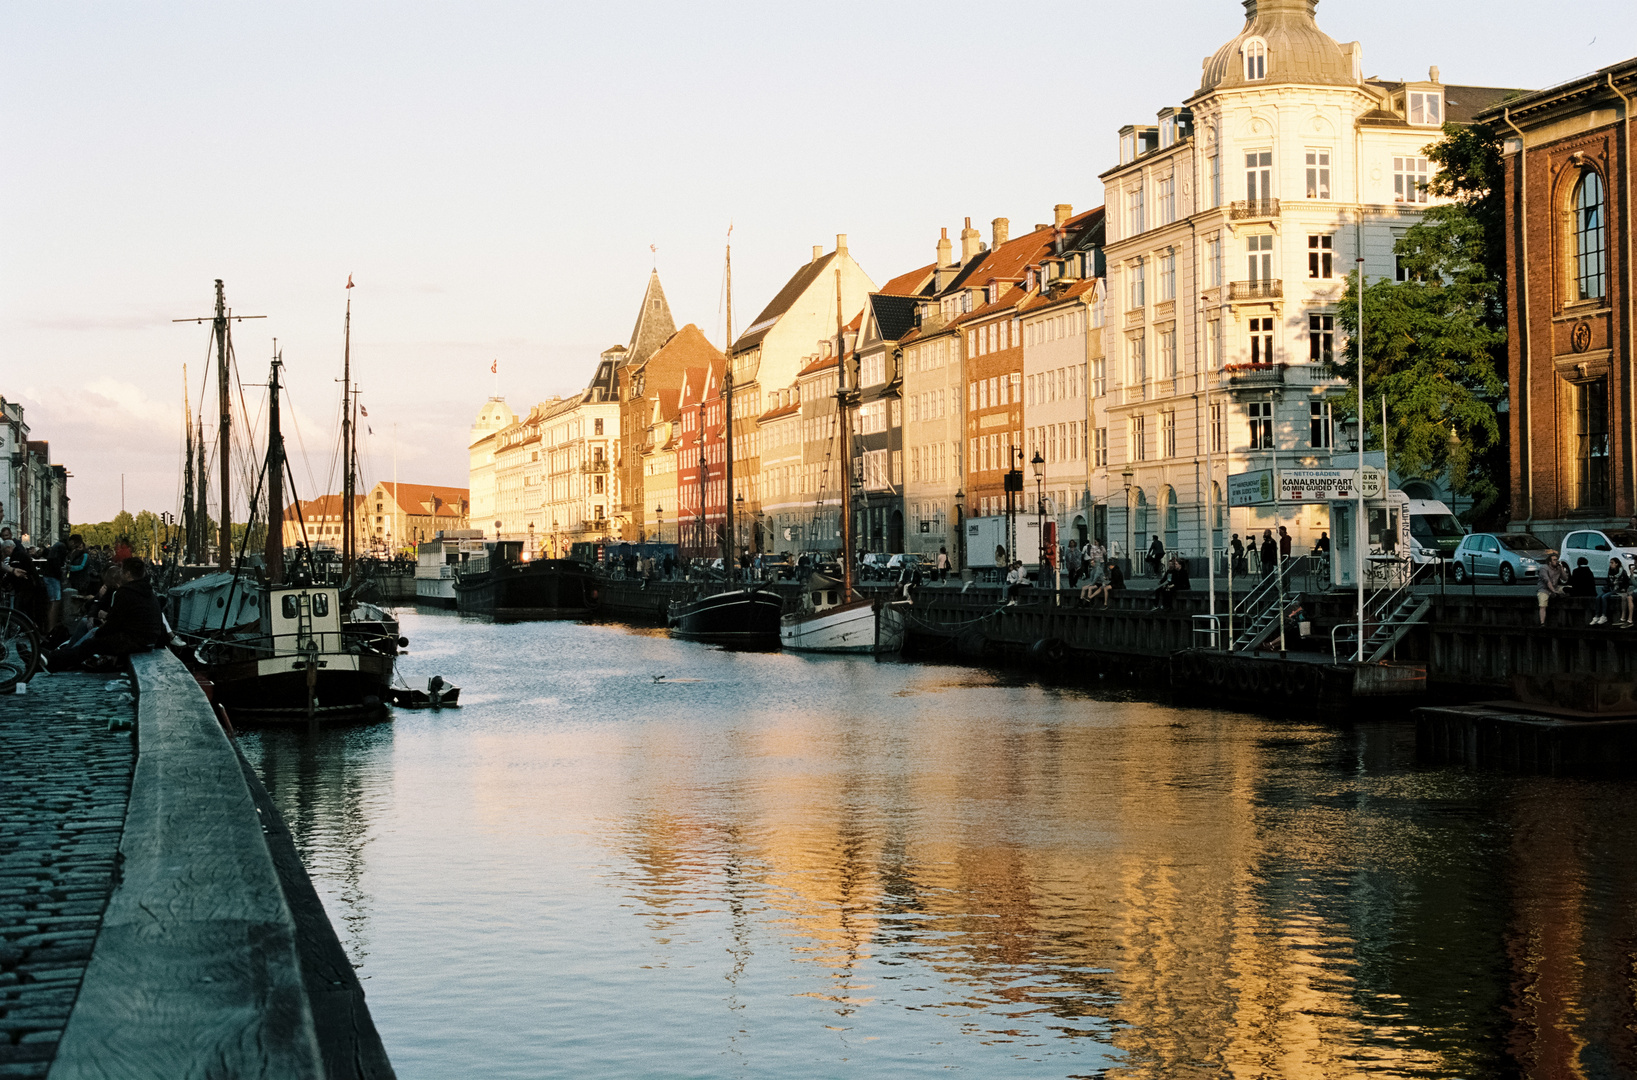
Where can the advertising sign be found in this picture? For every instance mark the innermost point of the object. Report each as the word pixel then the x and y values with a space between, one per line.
pixel 1317 485
pixel 1250 488
pixel 1374 482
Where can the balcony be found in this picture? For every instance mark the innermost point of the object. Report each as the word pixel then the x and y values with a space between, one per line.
pixel 1253 376
pixel 597 465
pixel 1265 289
pixel 1247 209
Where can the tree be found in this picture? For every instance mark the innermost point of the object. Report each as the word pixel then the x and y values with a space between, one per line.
pixel 1435 343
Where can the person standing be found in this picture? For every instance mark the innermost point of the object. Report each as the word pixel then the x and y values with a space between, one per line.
pixel 1240 565
pixel 1284 544
pixel 1269 552
pixel 1156 557
pixel 1550 581
pixel 1071 561
pixel 943 563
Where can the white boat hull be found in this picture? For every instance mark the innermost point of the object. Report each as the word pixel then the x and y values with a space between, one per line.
pixel 864 626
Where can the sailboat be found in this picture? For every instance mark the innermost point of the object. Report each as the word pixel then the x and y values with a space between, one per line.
pixel 282 646
pixel 832 618
pixel 746 617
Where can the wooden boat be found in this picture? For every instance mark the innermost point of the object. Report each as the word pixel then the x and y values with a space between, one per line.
pixel 742 618
pixel 437 695
pixel 828 623
pixel 500 587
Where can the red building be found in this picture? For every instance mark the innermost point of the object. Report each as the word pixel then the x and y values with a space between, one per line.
pixel 701 462
pixel 1569 269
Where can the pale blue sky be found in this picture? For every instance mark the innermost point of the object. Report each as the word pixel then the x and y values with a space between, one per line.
pixel 493 174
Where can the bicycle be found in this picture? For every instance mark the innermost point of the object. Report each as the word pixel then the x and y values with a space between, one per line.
pixel 21 649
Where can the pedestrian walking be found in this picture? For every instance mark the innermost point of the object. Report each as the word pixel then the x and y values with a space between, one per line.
pixel 943 563
pixel 1156 557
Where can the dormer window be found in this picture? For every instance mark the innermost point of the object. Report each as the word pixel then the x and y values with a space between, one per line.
pixel 1426 107
pixel 1128 147
pixel 1256 59
pixel 1168 132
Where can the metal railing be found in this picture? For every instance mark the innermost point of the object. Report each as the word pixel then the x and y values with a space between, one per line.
pixel 596 465
pixel 1243 375
pixel 1243 209
pixel 1261 289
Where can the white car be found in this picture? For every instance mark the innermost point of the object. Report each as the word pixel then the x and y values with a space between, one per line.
pixel 1597 547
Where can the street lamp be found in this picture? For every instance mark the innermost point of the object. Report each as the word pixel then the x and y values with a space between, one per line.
pixel 1039 464
pixel 659 516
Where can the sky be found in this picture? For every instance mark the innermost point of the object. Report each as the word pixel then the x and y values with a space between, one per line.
pixel 493 176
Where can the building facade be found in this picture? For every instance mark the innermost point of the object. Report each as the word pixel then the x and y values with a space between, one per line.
pixel 1233 222
pixel 1573 399
pixel 33 491
pixel 398 516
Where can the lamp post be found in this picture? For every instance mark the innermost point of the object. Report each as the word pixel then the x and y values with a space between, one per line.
pixel 659 519
pixel 1127 476
pixel 1039 464
pixel 738 520
pixel 1014 488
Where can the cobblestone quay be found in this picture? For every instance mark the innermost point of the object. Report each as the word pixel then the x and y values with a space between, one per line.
pixel 65 779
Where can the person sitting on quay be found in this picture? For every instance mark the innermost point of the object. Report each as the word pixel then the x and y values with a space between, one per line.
pixel 1582 582
pixel 1174 581
pixel 1616 593
pixel 133 623
pixel 1551 580
pixel 1014 583
pixel 96 607
pixel 1108 579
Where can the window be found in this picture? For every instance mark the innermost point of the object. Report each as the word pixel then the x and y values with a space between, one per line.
pixel 1321 340
pixel 1097 311
pixel 1218 444
pixel 1590 402
pixel 1167 200
pixel 1135 216
pixel 1259 257
pixel 1318 174
pixel 1138 292
pixel 1319 430
pixel 1261 341
pixel 1139 359
pixel 1319 252
pixel 1139 439
pixel 1426 108
pixel 1256 59
pixel 1099 447
pixel 971 397
pixel 1213 261
pixel 1259 175
pixel 1214 163
pixel 597 426
pixel 1168 434
pixel 1168 353
pixel 1410 179
pixel 1261 425
pixel 1168 276
pixel 1589 235
pixel 1099 378
pixel 1213 344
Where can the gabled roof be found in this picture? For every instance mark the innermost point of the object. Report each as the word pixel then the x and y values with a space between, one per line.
pixel 914 283
pixel 818 365
pixel 1009 261
pixel 781 303
pixel 418 499
pixel 782 411
pixel 324 505
pixel 1050 298
pixel 894 315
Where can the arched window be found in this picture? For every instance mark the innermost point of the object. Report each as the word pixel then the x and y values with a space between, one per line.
pixel 1589 237
pixel 1139 517
pixel 1168 511
pixel 1256 59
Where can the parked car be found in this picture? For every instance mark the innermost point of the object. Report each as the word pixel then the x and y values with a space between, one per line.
pixel 877 565
pixel 1503 556
pixel 1597 547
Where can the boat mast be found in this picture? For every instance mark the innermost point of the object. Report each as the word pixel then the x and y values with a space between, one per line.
pixel 347 523
pixel 224 406
pixel 729 555
pixel 273 552
pixel 201 515
pixel 843 408
pixel 189 541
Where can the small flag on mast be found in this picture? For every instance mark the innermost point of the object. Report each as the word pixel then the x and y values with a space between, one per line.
pixel 349 281
pixel 494 368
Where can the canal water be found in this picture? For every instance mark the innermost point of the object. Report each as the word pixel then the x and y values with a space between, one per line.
pixel 628 856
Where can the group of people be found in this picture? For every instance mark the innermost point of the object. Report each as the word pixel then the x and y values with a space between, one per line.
pixel 1554 579
pixel 1270 553
pixel 86 604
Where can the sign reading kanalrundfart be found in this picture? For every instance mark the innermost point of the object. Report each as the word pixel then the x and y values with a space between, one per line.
pixel 1317 485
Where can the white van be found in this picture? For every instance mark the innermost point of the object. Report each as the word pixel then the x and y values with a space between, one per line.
pixel 1435 532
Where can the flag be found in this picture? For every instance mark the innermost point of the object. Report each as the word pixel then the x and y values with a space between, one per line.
pixel 494 368
pixel 362 411
pixel 349 281
pixel 653 249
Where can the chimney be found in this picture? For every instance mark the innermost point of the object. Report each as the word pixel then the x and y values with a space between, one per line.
pixel 1000 230
pixel 1432 73
pixel 943 247
pixel 969 242
pixel 841 243
pixel 818 252
pixel 1061 214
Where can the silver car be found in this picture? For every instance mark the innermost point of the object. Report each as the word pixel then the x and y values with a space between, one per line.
pixel 1505 557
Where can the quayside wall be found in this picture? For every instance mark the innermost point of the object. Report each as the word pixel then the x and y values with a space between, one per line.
pixel 210 962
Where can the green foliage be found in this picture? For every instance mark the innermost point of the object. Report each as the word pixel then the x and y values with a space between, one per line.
pixel 1435 345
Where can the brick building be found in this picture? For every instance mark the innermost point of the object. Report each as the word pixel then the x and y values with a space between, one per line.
pixel 1568 245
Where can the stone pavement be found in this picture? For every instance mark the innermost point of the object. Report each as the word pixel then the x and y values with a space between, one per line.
pixel 64 782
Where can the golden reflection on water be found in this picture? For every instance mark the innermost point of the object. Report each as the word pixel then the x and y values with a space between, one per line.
pixel 1107 886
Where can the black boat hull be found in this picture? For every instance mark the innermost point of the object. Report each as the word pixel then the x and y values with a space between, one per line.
pixel 543 589
pixel 251 693
pixel 740 619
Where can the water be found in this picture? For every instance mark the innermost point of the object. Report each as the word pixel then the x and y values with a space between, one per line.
pixel 772 865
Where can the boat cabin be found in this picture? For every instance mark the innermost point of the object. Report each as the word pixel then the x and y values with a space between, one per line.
pixel 299 618
pixel 822 593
